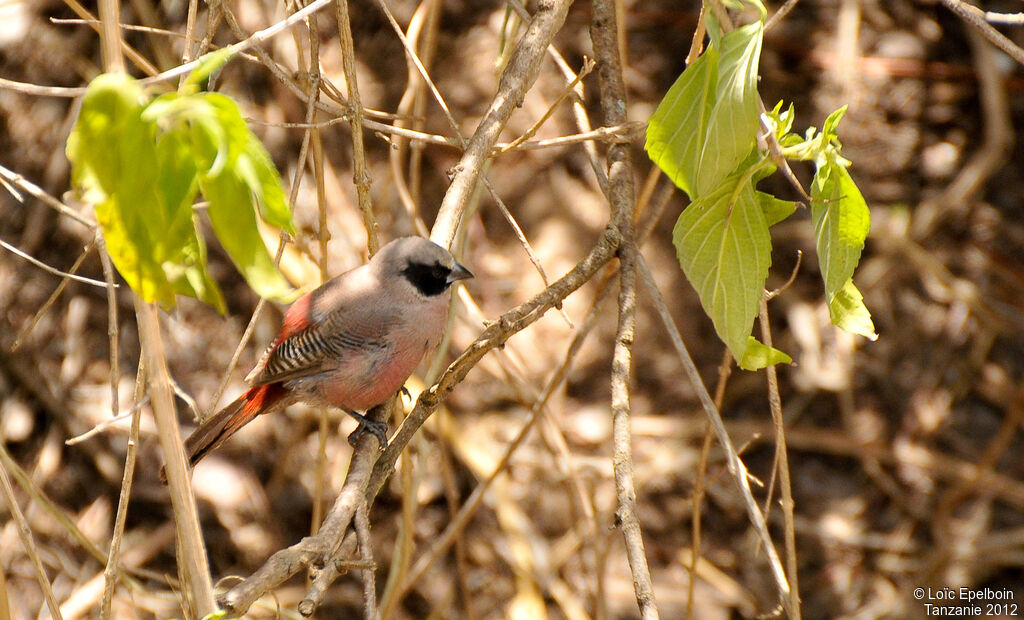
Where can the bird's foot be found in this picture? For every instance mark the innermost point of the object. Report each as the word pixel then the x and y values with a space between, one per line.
pixel 405 392
pixel 376 428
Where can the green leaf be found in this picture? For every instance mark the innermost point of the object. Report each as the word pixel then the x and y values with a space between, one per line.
pixel 253 164
pixel 236 176
pixel 830 129
pixel 724 248
pixel 841 224
pixel 732 125
pixel 775 209
pixel 848 312
pixel 142 165
pixel 782 120
pixel 759 355
pixel 181 249
pixel 707 123
pixel 234 221
pixel 676 131
pixel 142 187
pixel 208 64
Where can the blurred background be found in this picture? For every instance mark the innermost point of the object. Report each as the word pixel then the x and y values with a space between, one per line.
pixel 906 453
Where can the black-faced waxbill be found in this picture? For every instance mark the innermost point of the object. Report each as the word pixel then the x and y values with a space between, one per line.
pixel 351 343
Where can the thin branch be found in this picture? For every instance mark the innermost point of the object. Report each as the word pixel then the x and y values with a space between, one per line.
pixel 38 90
pixel 630 131
pixel 192 562
pixel 110 570
pixel 782 458
pixel 360 173
pixel 1006 19
pixel 780 14
pixel 35 191
pixel 736 466
pixel 113 333
pixel 977 18
pixel 108 423
pixel 43 309
pixel 699 484
pixel 622 195
pixel 362 526
pixel 53 270
pixel 313 139
pixel 147 29
pixel 25 532
pixel 190 29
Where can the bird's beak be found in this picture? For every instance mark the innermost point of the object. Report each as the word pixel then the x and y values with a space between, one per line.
pixel 459 273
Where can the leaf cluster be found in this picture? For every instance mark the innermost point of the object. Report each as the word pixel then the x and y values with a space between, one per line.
pixel 704 136
pixel 142 161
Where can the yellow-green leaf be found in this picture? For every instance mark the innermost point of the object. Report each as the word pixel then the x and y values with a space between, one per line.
pixel 208 63
pixel 707 123
pixel 775 209
pixel 142 183
pixel 759 355
pixel 724 248
pixel 841 224
pixel 847 310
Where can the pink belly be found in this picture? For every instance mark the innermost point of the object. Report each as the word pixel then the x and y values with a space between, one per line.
pixel 360 384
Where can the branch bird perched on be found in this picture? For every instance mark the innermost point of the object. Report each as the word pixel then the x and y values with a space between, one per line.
pixel 351 343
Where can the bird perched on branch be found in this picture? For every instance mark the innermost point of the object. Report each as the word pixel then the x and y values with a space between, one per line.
pixel 351 343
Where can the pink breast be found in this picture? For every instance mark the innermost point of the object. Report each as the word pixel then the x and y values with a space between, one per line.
pixel 364 382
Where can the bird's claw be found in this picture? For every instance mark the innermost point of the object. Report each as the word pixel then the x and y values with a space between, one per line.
pixel 376 428
pixel 404 391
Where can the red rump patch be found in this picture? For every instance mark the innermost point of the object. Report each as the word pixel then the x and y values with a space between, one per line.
pixel 258 399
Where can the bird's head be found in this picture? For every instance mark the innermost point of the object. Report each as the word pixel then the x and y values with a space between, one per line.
pixel 428 267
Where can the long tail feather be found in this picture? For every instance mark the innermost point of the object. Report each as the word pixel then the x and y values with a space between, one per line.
pixel 216 429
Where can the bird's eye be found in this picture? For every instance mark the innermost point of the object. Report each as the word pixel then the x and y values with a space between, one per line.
pixel 439 272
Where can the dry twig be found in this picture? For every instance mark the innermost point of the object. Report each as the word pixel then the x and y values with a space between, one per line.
pixel 736 466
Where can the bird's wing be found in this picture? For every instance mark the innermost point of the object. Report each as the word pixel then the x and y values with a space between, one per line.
pixel 353 329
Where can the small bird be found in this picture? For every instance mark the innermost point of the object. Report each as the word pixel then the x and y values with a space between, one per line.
pixel 351 343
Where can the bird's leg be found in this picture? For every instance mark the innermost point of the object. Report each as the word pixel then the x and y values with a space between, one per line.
pixel 377 428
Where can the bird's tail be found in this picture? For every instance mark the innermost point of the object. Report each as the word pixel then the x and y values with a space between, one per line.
pixel 216 429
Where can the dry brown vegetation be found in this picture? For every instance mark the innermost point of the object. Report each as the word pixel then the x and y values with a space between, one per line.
pixel 905 454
